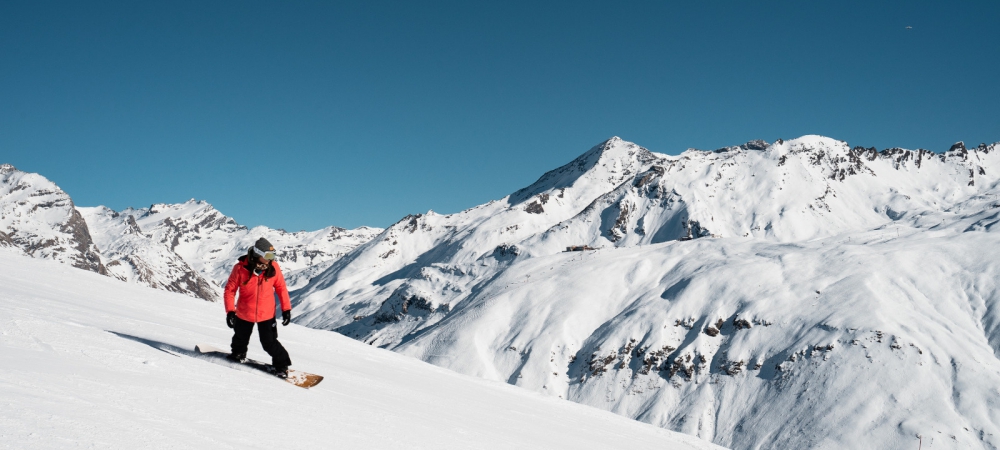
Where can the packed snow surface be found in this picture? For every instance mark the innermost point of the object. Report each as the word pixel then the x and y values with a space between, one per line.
pixel 90 362
pixel 798 294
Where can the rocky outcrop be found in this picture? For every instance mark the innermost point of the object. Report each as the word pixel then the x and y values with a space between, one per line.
pixel 6 241
pixel 210 242
pixel 187 248
pixel 132 256
pixel 41 219
pixel 191 247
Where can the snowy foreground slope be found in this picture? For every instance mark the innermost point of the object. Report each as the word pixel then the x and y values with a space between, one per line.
pixel 90 362
pixel 800 294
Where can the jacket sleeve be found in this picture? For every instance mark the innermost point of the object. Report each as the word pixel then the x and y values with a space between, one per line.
pixel 281 289
pixel 229 295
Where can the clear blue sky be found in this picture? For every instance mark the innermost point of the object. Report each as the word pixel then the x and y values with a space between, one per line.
pixel 300 115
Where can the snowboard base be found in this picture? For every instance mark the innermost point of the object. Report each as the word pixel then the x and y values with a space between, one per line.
pixel 301 379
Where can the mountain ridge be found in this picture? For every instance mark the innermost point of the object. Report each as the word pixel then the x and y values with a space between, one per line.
pixel 715 289
pixel 720 278
pixel 41 219
pixel 157 246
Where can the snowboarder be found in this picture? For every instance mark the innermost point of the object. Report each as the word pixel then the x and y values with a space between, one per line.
pixel 258 278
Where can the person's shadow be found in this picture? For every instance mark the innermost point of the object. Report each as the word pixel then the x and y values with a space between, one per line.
pixel 161 346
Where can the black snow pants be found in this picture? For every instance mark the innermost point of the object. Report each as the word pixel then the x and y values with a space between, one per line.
pixel 268 331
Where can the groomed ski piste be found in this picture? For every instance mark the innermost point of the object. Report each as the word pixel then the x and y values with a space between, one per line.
pixel 90 362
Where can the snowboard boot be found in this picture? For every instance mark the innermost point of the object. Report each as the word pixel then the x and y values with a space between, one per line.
pixel 281 372
pixel 237 357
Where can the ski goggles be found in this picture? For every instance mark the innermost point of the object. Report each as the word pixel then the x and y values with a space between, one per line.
pixel 269 255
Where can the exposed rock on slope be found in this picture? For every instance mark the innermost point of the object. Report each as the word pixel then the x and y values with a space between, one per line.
pixel 132 256
pixel 187 248
pixel 621 195
pixel 191 247
pixel 211 242
pixel 800 294
pixel 40 219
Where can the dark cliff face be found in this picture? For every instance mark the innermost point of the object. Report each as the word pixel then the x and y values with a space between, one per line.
pixel 86 257
pixel 6 241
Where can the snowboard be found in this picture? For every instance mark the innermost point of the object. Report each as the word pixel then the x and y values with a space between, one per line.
pixel 298 378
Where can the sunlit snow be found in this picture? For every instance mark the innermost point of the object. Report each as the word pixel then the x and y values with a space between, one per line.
pixel 90 362
pixel 799 294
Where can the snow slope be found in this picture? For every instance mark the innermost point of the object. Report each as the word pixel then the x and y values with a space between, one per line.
pixel 92 362
pixel 800 294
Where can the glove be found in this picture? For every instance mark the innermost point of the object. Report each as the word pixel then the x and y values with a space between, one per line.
pixel 231 319
pixel 286 316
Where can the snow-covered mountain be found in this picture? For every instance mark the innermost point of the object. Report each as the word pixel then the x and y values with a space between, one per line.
pixel 187 248
pixel 40 219
pixel 799 294
pixel 86 365
pixel 133 256
pixel 208 243
pixel 211 242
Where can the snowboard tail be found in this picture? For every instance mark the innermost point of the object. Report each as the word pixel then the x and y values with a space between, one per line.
pixel 296 377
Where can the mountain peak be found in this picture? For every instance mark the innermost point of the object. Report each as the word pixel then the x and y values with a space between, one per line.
pixel 756 144
pixel 617 147
pixel 811 142
pixel 41 219
pixel 610 161
pixel 191 206
pixel 613 140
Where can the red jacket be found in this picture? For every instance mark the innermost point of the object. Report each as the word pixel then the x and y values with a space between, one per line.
pixel 256 302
